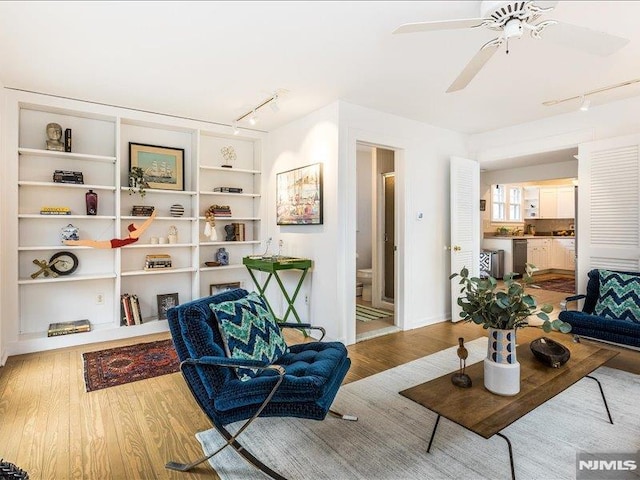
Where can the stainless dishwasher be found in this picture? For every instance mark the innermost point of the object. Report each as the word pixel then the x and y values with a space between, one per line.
pixel 520 256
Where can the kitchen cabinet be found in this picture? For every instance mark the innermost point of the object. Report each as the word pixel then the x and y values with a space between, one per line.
pixel 556 202
pixel 549 202
pixel 531 202
pixel 566 202
pixel 563 252
pixel 539 253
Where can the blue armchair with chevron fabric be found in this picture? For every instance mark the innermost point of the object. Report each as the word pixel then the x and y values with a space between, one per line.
pixel 611 310
pixel 238 367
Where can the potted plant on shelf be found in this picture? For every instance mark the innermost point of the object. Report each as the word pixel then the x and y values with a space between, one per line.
pixel 502 312
pixel 137 182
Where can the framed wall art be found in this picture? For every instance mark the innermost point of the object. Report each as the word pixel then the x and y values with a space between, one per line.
pixel 163 167
pixel 165 302
pixel 222 287
pixel 299 196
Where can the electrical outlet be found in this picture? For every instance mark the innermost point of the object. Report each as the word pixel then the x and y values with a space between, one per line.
pixel 100 299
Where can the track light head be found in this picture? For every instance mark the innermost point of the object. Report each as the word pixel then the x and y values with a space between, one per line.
pixel 586 103
pixel 253 119
pixel 236 130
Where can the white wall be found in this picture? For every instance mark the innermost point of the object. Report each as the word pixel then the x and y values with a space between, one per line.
pixel 309 140
pixel 558 132
pixel 422 179
pixel 3 276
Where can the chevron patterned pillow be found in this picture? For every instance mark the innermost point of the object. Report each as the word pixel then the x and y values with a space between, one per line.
pixel 249 331
pixel 619 296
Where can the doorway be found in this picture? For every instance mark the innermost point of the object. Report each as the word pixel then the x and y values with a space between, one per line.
pixel 375 312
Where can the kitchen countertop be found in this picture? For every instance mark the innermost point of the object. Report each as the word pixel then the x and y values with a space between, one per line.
pixel 516 237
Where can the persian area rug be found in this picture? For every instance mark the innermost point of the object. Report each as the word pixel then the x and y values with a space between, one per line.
pixel 390 439
pixel 560 284
pixel 366 314
pixel 120 365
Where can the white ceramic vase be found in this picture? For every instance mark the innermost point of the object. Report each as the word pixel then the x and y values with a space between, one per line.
pixel 501 368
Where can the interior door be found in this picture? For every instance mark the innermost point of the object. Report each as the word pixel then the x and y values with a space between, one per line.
pixel 465 223
pixel 608 206
pixel 389 236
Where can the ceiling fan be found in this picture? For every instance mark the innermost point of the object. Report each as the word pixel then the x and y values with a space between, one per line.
pixel 512 19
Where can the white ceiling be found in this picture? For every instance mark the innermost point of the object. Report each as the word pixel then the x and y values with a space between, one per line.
pixel 216 60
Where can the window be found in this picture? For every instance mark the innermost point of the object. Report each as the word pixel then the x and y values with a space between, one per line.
pixel 506 204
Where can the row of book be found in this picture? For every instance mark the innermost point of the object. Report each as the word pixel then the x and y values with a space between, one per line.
pixel 130 310
pixel 238 232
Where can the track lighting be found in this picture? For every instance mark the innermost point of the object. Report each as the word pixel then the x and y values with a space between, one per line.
pixel 236 130
pixel 586 103
pixel 275 108
pixel 272 101
pixel 583 96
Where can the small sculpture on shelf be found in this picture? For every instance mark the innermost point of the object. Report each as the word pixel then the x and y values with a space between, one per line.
pixel 461 379
pixel 54 137
pixel 230 233
pixel 229 155
pixel 173 234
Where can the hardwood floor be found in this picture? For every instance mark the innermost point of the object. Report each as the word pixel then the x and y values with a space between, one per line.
pixel 52 428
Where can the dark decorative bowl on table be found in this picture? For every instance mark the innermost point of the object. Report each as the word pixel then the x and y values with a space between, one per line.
pixel 550 352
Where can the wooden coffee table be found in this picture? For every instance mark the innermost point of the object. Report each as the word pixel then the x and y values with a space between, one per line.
pixel 485 413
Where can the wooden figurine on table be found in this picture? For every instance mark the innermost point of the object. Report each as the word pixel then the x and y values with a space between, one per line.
pixel 461 379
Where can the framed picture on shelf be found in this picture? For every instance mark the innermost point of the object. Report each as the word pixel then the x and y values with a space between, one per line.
pixel 165 302
pixel 163 166
pixel 299 196
pixel 215 288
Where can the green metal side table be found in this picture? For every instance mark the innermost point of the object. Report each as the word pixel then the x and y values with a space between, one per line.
pixel 272 265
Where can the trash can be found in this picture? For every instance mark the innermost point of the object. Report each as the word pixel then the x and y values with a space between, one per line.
pixel 492 263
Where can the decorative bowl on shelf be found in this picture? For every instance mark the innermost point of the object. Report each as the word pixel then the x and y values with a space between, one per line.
pixel 212 264
pixel 550 352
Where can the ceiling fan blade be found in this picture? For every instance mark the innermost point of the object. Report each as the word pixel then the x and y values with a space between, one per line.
pixel 443 25
pixel 585 39
pixel 475 65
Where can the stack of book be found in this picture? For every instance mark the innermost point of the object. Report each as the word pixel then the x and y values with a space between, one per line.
pixel 130 310
pixel 68 176
pixel 153 262
pixel 142 210
pixel 220 210
pixel 55 211
pixel 238 230
pixel 228 189
pixel 65 328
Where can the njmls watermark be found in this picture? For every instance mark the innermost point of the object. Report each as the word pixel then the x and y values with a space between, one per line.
pixel 607 466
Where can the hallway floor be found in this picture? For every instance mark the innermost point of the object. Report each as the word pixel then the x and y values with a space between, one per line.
pixel 374 328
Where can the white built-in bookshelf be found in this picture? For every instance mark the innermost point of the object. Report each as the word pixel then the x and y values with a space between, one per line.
pixel 100 150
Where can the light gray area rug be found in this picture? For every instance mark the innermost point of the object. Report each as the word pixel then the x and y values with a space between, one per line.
pixel 390 439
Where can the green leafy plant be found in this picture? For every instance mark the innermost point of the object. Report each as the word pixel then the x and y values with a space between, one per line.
pixel 483 303
pixel 137 182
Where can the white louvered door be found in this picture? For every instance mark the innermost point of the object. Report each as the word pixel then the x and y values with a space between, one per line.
pixel 465 224
pixel 608 234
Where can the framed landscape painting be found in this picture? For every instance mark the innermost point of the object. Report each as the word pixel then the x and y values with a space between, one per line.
pixel 163 167
pixel 299 196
